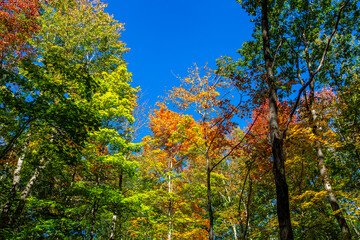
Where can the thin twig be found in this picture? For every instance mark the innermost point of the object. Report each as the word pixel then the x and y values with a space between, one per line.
pixel 277 49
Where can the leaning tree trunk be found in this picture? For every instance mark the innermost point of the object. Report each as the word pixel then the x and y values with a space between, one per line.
pixel 312 120
pixel 332 198
pixel 4 217
pixel 25 193
pixel 282 192
pixel 325 177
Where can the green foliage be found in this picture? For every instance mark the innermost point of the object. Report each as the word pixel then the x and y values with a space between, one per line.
pixel 68 110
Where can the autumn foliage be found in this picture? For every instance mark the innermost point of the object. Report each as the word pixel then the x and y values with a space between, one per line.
pixel 222 151
pixel 19 23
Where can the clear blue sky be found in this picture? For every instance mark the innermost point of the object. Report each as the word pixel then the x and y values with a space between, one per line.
pixel 166 37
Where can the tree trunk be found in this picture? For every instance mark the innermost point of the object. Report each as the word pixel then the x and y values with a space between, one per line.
pixel 170 207
pixel 4 218
pixel 93 217
pixel 25 193
pixel 332 199
pixel 235 232
pixel 324 174
pixel 121 179
pixel 208 185
pixel 282 192
pixel 227 200
pixel 247 209
pixel 112 229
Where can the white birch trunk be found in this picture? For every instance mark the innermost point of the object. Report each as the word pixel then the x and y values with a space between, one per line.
pixel 13 190
pixel 112 229
pixel 26 192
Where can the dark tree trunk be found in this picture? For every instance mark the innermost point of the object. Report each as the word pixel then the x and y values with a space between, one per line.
pixel 248 210
pixel 211 215
pixel 93 217
pixel 282 192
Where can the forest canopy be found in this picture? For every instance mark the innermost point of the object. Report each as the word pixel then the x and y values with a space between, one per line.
pixel 70 117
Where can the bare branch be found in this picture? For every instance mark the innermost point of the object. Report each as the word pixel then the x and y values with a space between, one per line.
pixel 331 37
pixel 276 52
pixel 294 108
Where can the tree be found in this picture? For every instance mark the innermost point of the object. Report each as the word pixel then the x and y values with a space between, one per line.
pixel 204 140
pixel 76 100
pixel 280 29
pixel 19 21
pixel 174 210
pixel 215 116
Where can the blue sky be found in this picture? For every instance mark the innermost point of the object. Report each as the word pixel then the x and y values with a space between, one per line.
pixel 166 37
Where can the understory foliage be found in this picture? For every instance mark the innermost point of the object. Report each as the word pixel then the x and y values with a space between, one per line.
pixel 283 117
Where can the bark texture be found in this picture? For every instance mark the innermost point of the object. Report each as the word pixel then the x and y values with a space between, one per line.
pixel 332 198
pixel 282 192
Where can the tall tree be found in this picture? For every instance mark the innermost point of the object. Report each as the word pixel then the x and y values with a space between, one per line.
pixel 19 23
pixel 283 28
pixel 282 192
pixel 76 100
pixel 215 120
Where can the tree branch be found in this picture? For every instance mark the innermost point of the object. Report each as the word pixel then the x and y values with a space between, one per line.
pixel 13 140
pixel 331 37
pixel 277 49
pixel 237 145
pixel 312 74
pixel 176 132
